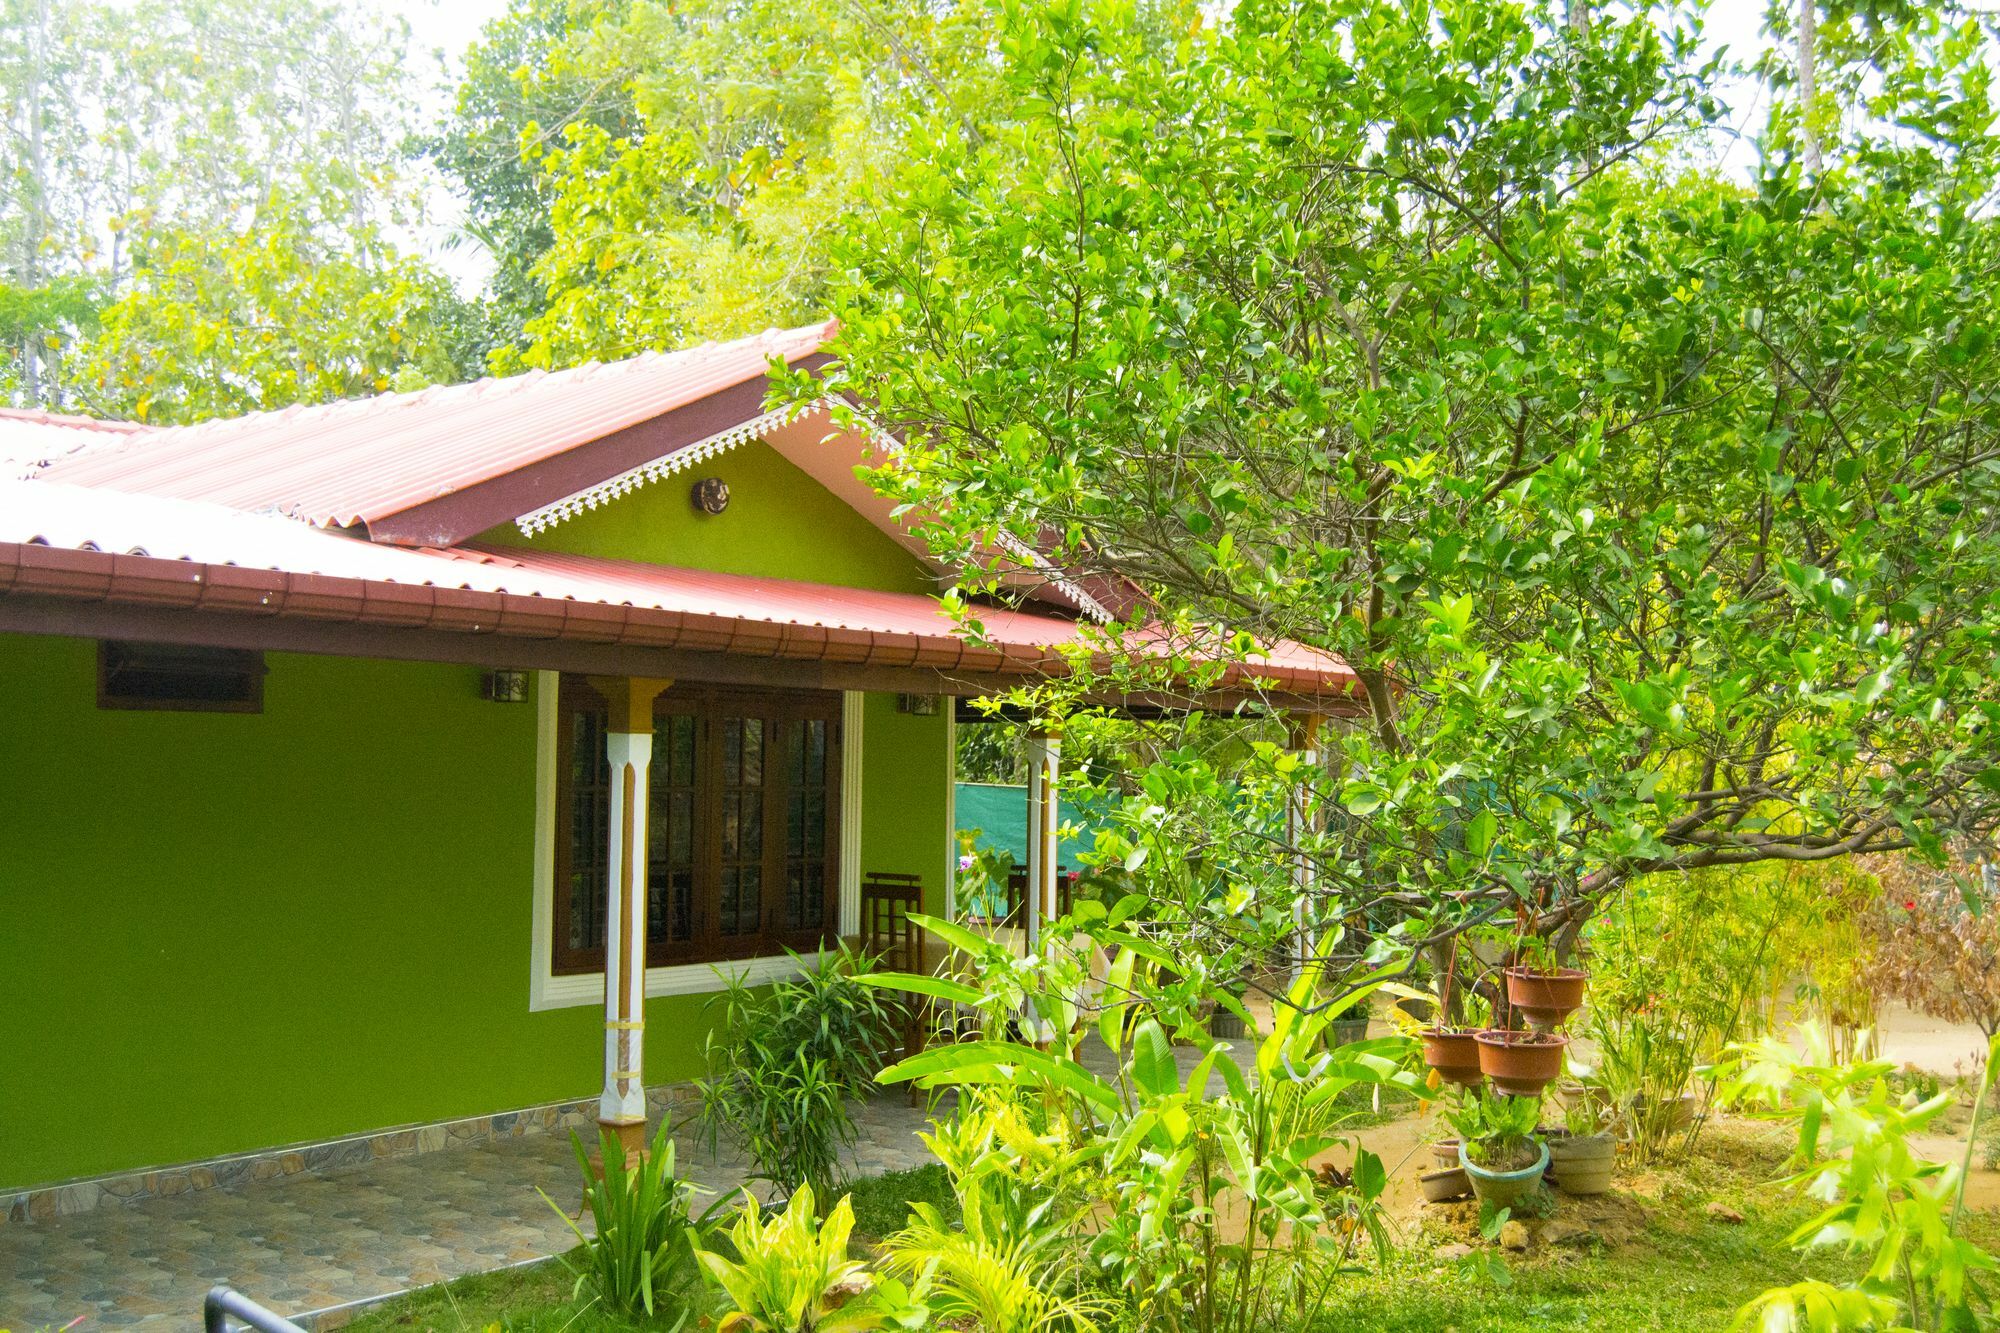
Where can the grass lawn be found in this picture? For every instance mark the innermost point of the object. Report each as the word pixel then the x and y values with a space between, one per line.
pixel 1657 1257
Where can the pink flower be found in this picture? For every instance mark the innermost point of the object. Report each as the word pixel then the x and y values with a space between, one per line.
pixel 965 862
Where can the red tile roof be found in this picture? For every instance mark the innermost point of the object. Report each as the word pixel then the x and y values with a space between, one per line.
pixel 340 464
pixel 73 544
pixel 31 440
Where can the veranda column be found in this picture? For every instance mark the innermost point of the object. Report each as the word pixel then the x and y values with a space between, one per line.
pixel 1044 762
pixel 628 745
pixel 1302 739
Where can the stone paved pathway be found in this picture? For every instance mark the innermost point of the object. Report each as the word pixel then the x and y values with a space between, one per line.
pixel 320 1239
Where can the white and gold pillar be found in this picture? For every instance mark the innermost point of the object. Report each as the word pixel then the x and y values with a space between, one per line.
pixel 1302 739
pixel 1044 819
pixel 628 745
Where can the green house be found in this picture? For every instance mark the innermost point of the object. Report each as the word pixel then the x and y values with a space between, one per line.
pixel 350 749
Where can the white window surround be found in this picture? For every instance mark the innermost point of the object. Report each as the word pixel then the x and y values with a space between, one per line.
pixel 549 990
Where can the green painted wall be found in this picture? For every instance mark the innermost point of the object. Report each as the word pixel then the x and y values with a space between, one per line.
pixel 222 932
pixel 906 771
pixel 780 523
pixel 229 931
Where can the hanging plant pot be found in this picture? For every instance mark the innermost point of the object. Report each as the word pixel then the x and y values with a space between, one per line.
pixel 1503 1189
pixel 1455 1055
pixel 1521 1064
pixel 1545 998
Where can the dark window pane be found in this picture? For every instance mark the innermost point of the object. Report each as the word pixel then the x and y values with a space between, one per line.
pixel 753 752
pixel 680 829
pixel 680 750
pixel 749 900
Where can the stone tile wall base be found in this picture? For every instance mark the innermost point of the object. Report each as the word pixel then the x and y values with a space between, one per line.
pixel 45 1202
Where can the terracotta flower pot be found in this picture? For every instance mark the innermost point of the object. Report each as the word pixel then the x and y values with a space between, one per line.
pixel 1545 999
pixel 1445 1154
pixel 1521 1064
pixel 1444 1186
pixel 1455 1055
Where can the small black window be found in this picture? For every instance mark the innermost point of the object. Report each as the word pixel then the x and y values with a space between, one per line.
pixel 174 676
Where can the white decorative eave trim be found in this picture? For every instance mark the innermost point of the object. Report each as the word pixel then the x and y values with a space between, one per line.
pixel 681 459
pixel 1042 565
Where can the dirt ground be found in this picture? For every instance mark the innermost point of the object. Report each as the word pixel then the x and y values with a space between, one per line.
pixel 1903 1036
pixel 1946 1049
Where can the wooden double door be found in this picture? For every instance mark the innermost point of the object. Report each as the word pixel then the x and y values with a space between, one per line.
pixel 743 825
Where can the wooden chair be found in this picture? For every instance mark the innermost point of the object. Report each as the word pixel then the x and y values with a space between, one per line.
pixel 897 943
pixel 1017 895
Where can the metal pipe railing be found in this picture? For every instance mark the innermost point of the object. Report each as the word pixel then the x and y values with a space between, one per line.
pixel 223 1304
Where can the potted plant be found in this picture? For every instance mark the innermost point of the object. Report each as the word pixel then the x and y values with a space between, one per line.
pixel 1447 1180
pixel 1520 1064
pixel 1580 1161
pixel 1540 991
pixel 1349 1026
pixel 1502 1158
pixel 1453 1051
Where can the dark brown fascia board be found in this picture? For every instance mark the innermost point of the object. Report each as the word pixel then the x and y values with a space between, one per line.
pixel 59 590
pixel 155 624
pixel 458 517
pixel 152 624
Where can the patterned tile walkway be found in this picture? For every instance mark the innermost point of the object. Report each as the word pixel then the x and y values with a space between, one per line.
pixel 320 1239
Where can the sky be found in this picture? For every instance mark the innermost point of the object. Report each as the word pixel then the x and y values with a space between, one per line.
pixel 441 30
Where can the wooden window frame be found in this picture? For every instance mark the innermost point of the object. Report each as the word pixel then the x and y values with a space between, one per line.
pixel 247 662
pixel 708 705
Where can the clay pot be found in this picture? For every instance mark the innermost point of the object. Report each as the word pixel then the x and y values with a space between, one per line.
pixel 1445 1153
pixel 1670 1117
pixel 1503 1189
pixel 1545 999
pixel 1582 1165
pixel 1444 1186
pixel 1585 1094
pixel 1341 1031
pixel 1455 1055
pixel 1520 1064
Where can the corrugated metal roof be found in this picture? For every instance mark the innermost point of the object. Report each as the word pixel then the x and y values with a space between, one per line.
pixel 340 464
pixel 31 440
pixel 108 546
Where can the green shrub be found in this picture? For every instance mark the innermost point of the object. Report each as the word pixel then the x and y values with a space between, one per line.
pixel 642 1256
pixel 1855 1152
pixel 792 1274
pixel 783 1064
pixel 882 1203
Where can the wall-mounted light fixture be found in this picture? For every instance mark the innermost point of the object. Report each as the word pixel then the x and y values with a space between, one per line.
pixel 917 705
pixel 504 687
pixel 711 495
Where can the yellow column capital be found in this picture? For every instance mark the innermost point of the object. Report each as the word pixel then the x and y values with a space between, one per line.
pixel 631 700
